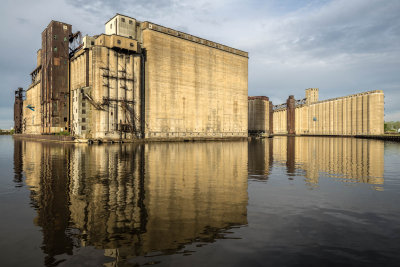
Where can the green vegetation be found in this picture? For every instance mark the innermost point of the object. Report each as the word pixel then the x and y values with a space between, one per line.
pixel 64 133
pixel 392 126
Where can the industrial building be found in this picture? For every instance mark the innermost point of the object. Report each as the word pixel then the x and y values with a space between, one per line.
pixel 357 114
pixel 138 80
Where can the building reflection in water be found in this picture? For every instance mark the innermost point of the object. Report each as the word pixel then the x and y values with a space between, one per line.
pixel 131 200
pixel 348 159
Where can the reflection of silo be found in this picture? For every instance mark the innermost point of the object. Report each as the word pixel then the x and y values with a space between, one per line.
pixel 354 160
pixel 18 161
pixel 260 157
pixel 189 191
pixel 46 168
pixel 111 188
pixel 290 155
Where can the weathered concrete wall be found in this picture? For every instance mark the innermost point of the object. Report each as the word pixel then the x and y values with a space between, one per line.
pixel 105 85
pixel 31 122
pixel 193 90
pixel 280 121
pixel 350 115
pixel 259 113
pixel 358 114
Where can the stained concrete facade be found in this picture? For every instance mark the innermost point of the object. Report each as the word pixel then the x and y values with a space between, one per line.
pixel 143 80
pixel 358 114
pixel 259 112
pixel 32 119
pixel 193 90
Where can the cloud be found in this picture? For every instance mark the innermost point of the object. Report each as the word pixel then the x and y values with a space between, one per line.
pixel 342 47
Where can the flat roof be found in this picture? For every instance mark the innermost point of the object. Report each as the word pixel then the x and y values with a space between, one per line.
pixel 118 14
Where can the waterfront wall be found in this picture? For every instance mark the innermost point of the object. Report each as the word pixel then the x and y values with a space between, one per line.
pixel 193 90
pixel 358 114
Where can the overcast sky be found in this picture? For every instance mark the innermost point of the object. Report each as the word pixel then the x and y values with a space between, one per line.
pixel 341 47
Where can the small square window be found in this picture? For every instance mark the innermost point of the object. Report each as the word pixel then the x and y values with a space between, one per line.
pixel 118 41
pixel 122 20
pixel 55 49
pixel 65 119
pixel 83 119
pixel 130 22
pixel 131 44
pixel 83 111
pixel 83 128
pixel 83 104
pixel 55 36
pixel 92 42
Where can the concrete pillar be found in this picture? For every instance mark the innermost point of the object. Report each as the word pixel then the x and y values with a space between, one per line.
pixel 271 118
pixel 290 102
pixel 359 114
pixel 365 129
pixel 136 91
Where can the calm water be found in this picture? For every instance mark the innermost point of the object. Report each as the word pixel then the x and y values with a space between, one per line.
pixel 300 201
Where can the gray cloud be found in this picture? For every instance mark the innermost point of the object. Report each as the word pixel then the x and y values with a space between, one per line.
pixel 342 47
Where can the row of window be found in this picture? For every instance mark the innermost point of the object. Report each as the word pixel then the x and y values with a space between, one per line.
pixel 123 21
pixel 131 44
pixel 55 38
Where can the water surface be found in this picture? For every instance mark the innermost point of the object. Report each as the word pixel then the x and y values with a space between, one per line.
pixel 283 201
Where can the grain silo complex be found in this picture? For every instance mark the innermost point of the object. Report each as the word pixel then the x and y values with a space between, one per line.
pixel 143 81
pixel 357 114
pixel 138 80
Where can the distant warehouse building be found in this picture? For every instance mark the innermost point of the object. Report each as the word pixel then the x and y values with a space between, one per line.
pixel 138 80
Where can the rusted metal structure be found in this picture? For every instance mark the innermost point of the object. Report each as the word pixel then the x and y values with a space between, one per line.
pixel 18 106
pixel 290 103
pixel 54 86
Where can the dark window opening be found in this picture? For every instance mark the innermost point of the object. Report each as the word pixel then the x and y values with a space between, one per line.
pixel 83 128
pixel 118 41
pixel 65 119
pixel 83 104
pixel 83 111
pixel 92 42
pixel 130 22
pixel 55 36
pixel 130 37
pixel 83 119
pixel 131 44
pixel 122 20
